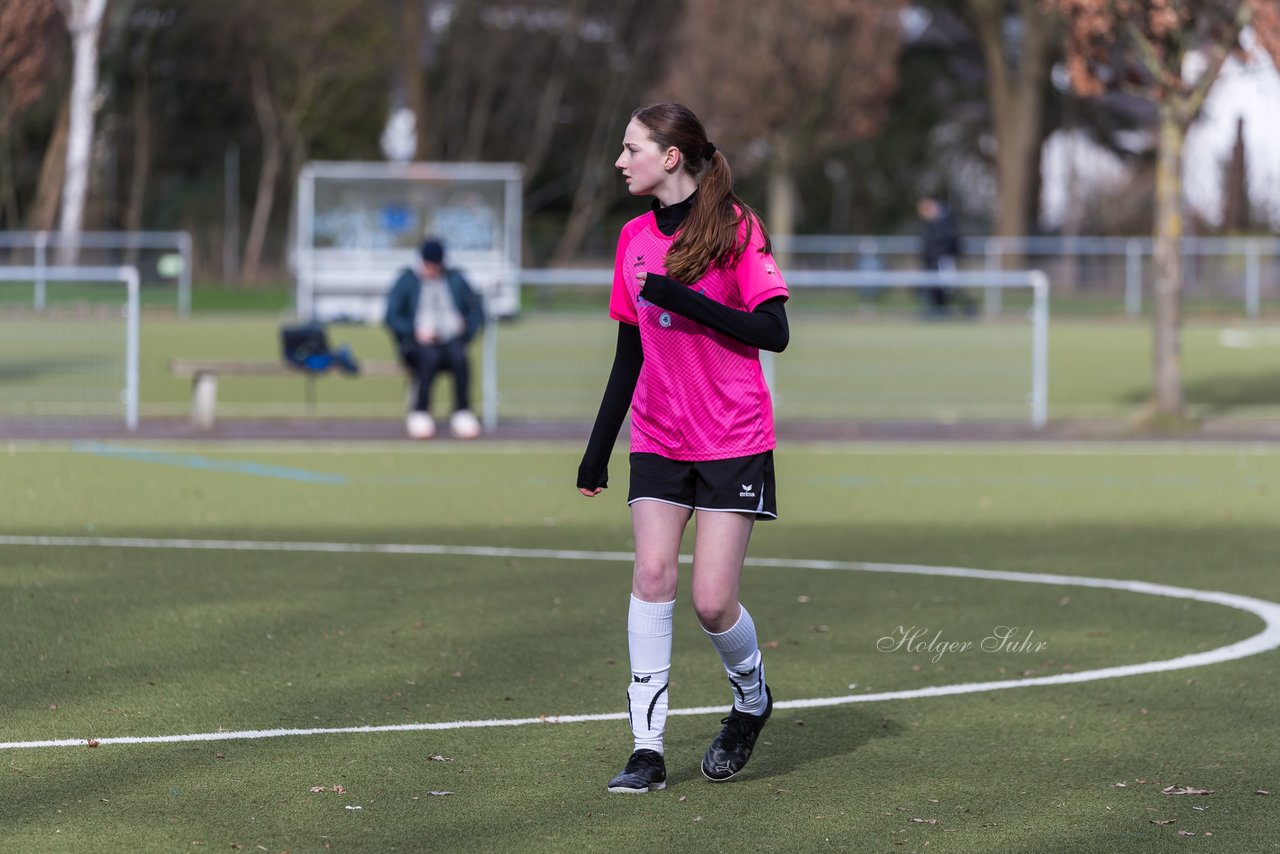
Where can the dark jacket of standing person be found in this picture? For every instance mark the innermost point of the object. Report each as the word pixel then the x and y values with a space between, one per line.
pixel 939 233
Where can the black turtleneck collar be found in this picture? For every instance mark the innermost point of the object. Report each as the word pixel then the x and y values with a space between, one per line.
pixel 671 217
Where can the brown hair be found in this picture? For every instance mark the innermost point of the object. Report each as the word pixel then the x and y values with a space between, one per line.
pixel 709 237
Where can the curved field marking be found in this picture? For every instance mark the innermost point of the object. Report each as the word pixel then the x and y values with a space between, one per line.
pixel 1264 641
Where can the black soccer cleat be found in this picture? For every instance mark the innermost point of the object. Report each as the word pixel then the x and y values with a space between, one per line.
pixel 646 771
pixel 730 750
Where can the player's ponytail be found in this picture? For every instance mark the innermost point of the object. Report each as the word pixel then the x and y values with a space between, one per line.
pixel 710 235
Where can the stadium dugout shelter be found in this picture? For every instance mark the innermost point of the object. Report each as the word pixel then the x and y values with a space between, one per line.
pixel 360 223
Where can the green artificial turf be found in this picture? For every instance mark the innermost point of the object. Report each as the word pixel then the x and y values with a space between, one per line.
pixel 223 627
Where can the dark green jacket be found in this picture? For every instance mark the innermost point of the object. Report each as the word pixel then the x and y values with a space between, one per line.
pixel 402 305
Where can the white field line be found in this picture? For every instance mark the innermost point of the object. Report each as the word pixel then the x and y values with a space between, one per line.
pixel 1246 339
pixel 1264 641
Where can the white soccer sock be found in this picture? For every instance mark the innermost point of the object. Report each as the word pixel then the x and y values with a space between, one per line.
pixel 649 642
pixel 740 651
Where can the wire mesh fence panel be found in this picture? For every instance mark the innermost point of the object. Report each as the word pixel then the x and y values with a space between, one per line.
pixel 74 357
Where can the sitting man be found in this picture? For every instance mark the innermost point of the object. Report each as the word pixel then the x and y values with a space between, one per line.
pixel 433 314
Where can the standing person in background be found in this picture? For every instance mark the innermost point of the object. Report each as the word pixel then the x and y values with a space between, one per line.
pixel 433 314
pixel 696 295
pixel 940 249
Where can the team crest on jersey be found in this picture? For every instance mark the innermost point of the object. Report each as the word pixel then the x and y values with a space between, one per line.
pixel 664 320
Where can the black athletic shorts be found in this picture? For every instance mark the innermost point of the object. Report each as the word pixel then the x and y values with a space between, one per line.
pixel 738 484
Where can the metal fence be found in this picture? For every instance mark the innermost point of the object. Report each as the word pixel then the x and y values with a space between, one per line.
pixel 1244 269
pixel 160 257
pixel 37 389
pixel 1036 361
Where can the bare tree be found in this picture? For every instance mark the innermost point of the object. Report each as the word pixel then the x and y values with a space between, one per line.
pixel 300 55
pixel 27 57
pixel 801 76
pixel 84 22
pixel 1169 53
pixel 1018 39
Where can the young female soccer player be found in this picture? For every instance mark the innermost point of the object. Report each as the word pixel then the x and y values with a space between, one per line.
pixel 696 295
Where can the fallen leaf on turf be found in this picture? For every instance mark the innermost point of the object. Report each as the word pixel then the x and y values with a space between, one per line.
pixel 439 794
pixel 236 845
pixel 93 742
pixel 1185 833
pixel 1262 792
pixel 1163 821
pixel 315 790
pixel 697 818
pixel 1185 790
pixel 924 821
pixel 1122 785
pixel 683 798
pixel 53 707
pixel 436 757
pixel 354 808
pixel 219 756
pixel 340 790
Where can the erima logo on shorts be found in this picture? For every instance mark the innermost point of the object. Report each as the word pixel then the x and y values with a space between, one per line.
pixel 746 490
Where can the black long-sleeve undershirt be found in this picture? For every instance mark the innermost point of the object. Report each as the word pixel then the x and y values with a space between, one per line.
pixel 593 471
pixel 765 328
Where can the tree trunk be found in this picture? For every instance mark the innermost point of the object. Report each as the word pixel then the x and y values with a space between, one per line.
pixel 1016 100
pixel 539 142
pixel 44 213
pixel 413 20
pixel 9 214
pixel 781 194
pixel 136 202
pixel 1167 268
pixel 84 22
pixel 592 197
pixel 268 175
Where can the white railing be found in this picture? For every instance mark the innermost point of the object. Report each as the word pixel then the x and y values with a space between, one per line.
pixel 40 242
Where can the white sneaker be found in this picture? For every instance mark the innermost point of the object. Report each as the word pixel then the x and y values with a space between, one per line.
pixel 464 425
pixel 420 425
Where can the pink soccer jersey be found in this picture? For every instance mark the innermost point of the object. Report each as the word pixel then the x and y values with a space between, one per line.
pixel 701 395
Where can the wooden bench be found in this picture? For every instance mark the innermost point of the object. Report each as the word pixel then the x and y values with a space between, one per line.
pixel 204 374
